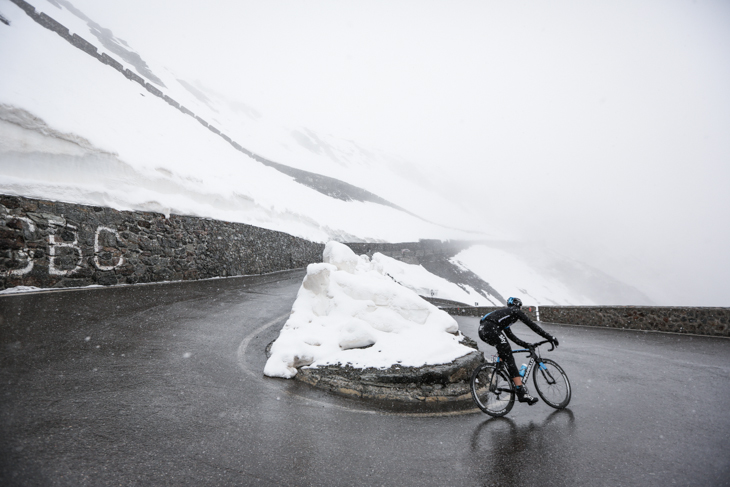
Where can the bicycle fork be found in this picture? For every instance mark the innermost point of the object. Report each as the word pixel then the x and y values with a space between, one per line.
pixel 542 369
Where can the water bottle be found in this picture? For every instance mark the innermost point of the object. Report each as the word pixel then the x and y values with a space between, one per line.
pixel 523 369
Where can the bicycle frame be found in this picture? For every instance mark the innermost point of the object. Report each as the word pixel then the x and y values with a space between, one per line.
pixel 534 355
pixel 530 363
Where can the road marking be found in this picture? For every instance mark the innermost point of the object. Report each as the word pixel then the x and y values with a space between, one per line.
pixel 244 344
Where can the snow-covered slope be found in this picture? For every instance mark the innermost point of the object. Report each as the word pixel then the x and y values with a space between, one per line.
pixel 74 129
pixel 425 283
pixel 77 130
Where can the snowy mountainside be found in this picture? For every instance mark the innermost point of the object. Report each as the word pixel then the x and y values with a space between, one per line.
pixel 374 175
pixel 424 282
pixel 486 273
pixel 74 129
pixel 141 153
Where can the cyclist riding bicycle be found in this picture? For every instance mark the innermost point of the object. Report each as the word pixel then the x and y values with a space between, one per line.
pixel 492 329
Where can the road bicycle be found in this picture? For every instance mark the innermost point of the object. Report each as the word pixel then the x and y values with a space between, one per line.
pixel 493 390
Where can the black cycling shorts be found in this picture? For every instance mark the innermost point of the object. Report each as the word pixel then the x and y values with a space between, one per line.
pixel 490 333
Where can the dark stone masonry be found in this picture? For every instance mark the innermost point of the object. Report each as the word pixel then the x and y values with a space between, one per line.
pixel 430 383
pixel 479 311
pixel 674 319
pixel 53 245
pixel 443 383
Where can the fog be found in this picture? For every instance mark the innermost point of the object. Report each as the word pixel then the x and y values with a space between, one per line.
pixel 599 129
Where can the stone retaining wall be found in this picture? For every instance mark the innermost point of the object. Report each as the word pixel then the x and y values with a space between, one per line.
pixel 52 244
pixel 699 321
pixel 479 311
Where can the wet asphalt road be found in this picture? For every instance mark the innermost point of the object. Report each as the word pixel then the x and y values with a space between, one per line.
pixel 162 385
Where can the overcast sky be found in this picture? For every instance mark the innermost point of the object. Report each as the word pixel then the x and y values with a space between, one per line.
pixel 599 128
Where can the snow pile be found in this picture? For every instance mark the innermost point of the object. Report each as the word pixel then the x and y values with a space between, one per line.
pixel 348 312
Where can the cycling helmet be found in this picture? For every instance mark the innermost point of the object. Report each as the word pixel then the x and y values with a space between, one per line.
pixel 514 303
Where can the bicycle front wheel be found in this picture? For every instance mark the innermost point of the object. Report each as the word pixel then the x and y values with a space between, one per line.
pixel 492 390
pixel 551 383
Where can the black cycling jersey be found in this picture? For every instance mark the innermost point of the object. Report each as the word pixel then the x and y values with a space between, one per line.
pixel 495 325
pixel 501 319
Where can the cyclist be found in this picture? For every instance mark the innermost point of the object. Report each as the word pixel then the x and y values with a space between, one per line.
pixel 492 329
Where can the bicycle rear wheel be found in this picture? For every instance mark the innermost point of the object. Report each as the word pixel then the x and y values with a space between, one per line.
pixel 551 383
pixel 492 390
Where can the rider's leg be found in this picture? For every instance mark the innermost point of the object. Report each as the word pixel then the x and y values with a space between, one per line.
pixel 493 336
pixel 505 353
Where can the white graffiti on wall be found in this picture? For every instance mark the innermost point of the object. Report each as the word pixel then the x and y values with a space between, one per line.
pixel 55 245
pixel 26 253
pixel 98 248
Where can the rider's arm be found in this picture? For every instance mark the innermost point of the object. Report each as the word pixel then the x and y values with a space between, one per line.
pixel 514 338
pixel 533 326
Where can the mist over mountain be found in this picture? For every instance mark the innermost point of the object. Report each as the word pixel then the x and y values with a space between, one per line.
pixel 75 129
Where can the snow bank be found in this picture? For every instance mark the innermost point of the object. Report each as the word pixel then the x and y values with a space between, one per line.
pixel 348 312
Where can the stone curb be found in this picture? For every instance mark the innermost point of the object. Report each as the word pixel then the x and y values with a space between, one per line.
pixel 443 383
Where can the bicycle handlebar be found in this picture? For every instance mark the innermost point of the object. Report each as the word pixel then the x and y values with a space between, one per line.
pixel 552 345
pixel 532 347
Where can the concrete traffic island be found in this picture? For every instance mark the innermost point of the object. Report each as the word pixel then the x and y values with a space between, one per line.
pixel 444 383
